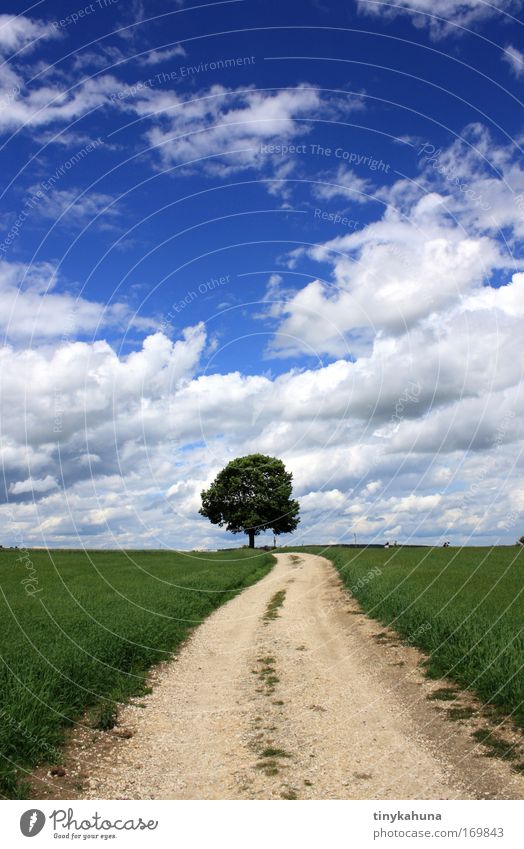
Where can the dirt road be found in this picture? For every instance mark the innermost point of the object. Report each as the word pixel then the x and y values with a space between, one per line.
pixel 309 700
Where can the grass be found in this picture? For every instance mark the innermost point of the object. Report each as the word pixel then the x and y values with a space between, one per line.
pixel 267 674
pixel 495 746
pixel 272 752
pixel 268 767
pixel 458 713
pixel 463 607
pixel 289 794
pixel 105 716
pixel 444 694
pixel 85 640
pixel 269 760
pixel 274 604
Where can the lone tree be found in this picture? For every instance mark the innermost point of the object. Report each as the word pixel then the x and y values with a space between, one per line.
pixel 252 494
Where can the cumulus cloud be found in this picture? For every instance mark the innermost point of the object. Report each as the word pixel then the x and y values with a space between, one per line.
pixel 386 278
pixel 438 239
pixel 33 485
pixel 415 396
pixel 79 385
pixel 373 444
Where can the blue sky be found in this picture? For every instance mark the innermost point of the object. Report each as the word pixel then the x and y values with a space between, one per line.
pixel 293 228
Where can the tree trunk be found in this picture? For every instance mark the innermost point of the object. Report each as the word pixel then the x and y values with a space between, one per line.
pixel 251 534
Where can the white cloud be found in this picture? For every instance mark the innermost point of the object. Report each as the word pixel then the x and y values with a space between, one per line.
pixel 157 431
pixel 414 503
pixel 54 101
pixel 442 17
pixel 18 31
pixel 515 59
pixel 373 487
pixel 232 125
pixel 31 308
pixel 323 501
pixel 345 184
pixel 155 57
pixel 393 442
pixel 437 242
pixel 33 485
pixel 391 445
pixel 481 181
pixel 74 206
pixel 77 385
pixel 387 277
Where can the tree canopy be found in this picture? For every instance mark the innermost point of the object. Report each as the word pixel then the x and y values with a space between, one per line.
pixel 250 495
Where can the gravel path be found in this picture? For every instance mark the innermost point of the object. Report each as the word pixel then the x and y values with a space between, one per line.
pixel 303 702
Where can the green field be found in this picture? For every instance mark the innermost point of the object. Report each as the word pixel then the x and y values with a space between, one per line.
pixel 464 607
pixel 84 628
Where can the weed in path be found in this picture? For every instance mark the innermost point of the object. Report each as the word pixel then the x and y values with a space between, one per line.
pixel 445 694
pixel 273 606
pixel 270 758
pixel 289 794
pixel 496 746
pixel 385 639
pixel 458 713
pixel 267 674
pixel 105 717
pixel 272 752
pixel 269 767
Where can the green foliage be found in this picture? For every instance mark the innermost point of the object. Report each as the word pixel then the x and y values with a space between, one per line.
pixel 464 607
pixel 252 494
pixel 274 604
pixel 105 716
pixel 86 640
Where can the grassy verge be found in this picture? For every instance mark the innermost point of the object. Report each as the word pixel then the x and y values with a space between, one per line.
pixel 83 633
pixel 464 608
